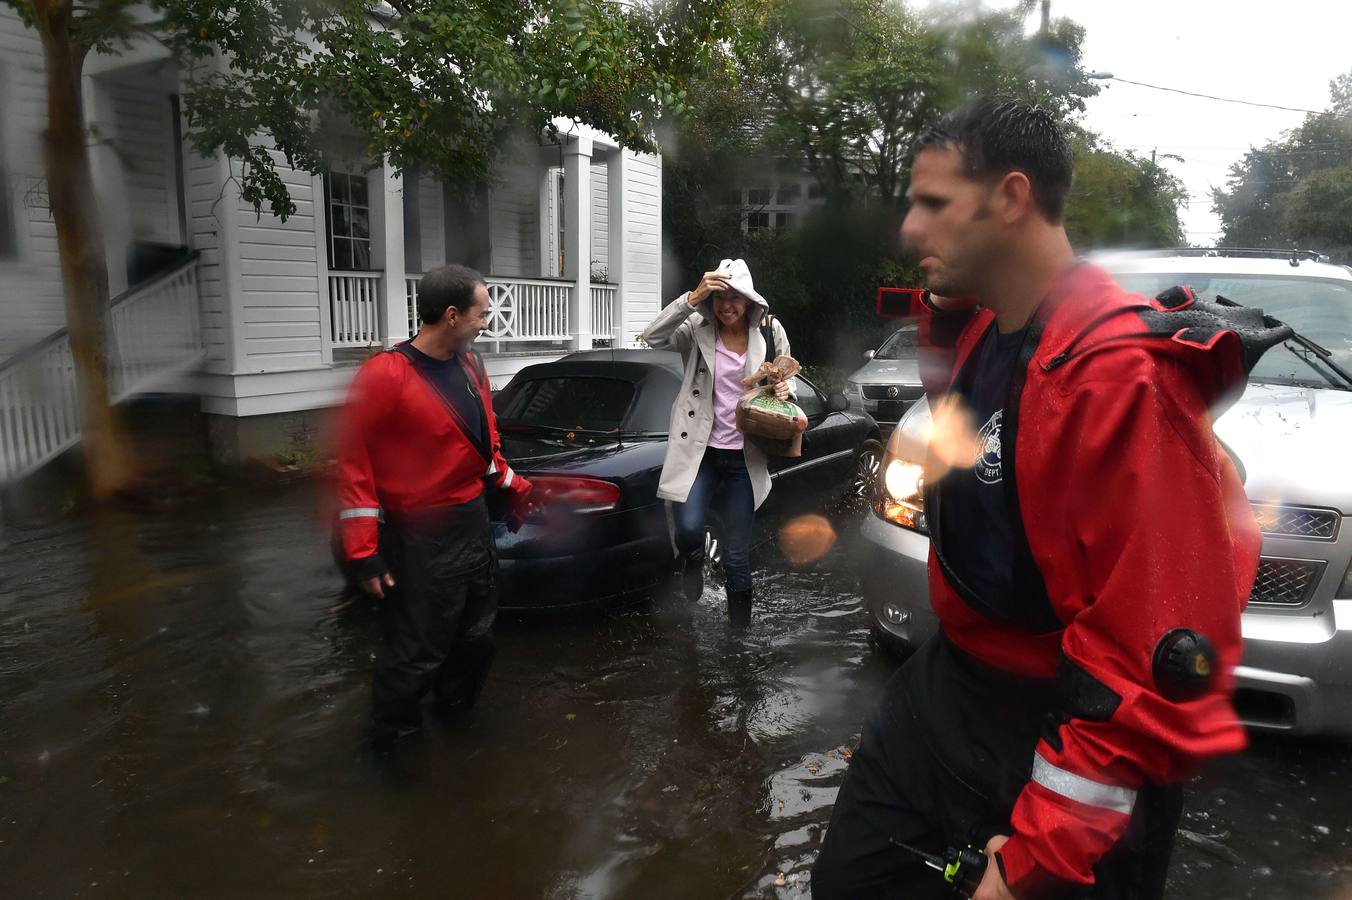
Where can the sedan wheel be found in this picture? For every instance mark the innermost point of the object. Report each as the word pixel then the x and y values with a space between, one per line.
pixel 866 468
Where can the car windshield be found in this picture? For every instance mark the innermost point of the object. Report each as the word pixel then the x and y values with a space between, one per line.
pixel 584 403
pixel 903 344
pixel 1317 309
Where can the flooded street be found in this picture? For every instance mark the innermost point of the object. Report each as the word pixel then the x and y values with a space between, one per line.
pixel 181 712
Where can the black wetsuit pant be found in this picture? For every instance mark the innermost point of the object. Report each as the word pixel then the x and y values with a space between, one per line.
pixel 438 617
pixel 940 765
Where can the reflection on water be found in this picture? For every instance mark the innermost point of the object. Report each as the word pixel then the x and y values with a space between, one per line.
pixel 180 714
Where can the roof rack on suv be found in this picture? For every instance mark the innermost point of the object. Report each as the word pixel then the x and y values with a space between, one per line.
pixel 1295 256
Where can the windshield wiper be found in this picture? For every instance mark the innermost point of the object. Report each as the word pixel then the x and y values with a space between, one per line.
pixel 1309 346
pixel 1325 358
pixel 615 433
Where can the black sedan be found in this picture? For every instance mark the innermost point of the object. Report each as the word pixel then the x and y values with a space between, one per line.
pixel 590 431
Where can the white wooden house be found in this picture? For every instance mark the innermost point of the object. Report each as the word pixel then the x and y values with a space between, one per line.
pixel 268 320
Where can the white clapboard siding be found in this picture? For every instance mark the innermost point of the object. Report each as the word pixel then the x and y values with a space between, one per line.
pixel 431 223
pixel 279 281
pixel 140 121
pixel 209 210
pixel 31 299
pixel 600 215
pixel 643 242
pixel 515 216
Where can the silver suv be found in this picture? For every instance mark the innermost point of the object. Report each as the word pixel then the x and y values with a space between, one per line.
pixel 1291 434
pixel 888 383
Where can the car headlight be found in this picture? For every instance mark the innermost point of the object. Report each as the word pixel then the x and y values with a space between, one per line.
pixel 901 499
pixel 852 390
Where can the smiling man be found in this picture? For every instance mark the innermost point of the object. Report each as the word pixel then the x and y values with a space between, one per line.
pixel 1088 571
pixel 418 443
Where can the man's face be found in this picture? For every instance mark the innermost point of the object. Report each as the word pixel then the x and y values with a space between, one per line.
pixel 468 325
pixel 949 227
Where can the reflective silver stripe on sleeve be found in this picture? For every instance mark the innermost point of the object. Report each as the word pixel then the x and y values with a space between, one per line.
pixel 507 479
pixel 492 467
pixel 360 512
pixel 1082 790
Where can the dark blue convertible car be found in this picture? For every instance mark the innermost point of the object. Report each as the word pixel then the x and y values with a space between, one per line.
pixel 590 431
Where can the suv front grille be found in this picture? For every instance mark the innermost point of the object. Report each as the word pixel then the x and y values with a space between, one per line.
pixel 1297 522
pixel 1286 582
pixel 908 392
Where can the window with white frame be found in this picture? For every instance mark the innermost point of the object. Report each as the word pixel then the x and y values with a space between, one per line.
pixel 349 221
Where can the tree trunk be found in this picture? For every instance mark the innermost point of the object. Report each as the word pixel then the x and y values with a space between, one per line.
pixel 79 239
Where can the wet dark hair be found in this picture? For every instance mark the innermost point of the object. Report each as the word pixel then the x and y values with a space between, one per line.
pixel 444 287
pixel 999 135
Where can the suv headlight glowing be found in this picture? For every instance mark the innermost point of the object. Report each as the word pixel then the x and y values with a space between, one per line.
pixel 901 498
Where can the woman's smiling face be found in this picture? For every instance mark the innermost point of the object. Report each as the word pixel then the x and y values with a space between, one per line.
pixel 729 307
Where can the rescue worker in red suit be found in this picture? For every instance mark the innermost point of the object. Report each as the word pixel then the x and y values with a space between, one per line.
pixel 418 446
pixel 1088 572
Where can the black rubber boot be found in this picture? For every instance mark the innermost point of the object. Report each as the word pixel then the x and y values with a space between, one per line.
pixel 739 608
pixel 692 576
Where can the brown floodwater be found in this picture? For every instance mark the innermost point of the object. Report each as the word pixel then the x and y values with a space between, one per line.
pixel 181 714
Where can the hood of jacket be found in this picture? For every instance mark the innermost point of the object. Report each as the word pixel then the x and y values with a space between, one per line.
pixel 1216 342
pixel 739 276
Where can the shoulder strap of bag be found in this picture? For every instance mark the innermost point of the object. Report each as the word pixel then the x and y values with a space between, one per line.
pixel 768 335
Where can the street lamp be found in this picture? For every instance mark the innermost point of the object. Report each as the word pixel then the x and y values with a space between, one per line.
pixel 1099 76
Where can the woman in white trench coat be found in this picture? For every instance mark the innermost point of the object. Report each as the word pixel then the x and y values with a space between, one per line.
pixel 717 328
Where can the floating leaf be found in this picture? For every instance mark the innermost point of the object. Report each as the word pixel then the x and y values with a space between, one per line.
pixel 570 716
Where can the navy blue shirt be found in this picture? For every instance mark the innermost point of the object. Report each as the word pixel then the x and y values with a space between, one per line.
pixel 453 384
pixel 975 530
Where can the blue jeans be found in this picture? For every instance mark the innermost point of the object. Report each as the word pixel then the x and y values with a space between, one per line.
pixel 723 477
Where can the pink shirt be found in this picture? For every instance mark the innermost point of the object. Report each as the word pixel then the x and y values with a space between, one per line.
pixel 729 369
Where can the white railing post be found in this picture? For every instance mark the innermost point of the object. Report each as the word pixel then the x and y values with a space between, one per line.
pixel 577 226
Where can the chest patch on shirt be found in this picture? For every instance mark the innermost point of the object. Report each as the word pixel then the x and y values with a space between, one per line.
pixel 988 463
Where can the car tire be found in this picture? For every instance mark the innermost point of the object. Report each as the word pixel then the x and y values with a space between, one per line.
pixel 868 465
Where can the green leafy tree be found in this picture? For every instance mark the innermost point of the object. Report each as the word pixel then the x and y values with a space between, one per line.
pixel 432 82
pixel 1120 199
pixel 1294 191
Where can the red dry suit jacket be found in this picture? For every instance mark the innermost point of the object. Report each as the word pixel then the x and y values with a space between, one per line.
pixel 1130 521
pixel 401 448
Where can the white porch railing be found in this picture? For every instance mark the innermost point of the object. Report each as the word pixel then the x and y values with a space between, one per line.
pixel 153 333
pixel 519 309
pixel 354 307
pixel 603 311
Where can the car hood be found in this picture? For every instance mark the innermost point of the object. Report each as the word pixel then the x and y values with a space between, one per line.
pixel 1293 443
pixel 887 371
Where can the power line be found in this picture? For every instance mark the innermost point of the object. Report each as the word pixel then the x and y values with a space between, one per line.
pixel 1157 87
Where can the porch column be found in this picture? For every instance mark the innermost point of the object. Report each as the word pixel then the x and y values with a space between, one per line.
pixel 109 182
pixel 577 228
pixel 616 167
pixel 387 226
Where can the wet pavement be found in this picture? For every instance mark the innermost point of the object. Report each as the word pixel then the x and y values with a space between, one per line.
pixel 181 710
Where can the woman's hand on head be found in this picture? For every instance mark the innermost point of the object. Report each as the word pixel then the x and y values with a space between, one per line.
pixel 711 283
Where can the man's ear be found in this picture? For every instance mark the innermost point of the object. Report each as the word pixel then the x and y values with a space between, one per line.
pixel 1013 198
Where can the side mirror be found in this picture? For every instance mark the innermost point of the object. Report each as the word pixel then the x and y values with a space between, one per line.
pixel 837 403
pixel 869 354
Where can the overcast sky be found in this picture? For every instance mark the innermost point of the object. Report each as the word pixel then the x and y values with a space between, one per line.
pixel 1284 53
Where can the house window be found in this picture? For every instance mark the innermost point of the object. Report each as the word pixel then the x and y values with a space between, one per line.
pixel 783 220
pixel 758 197
pixel 790 193
pixel 757 220
pixel 349 222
